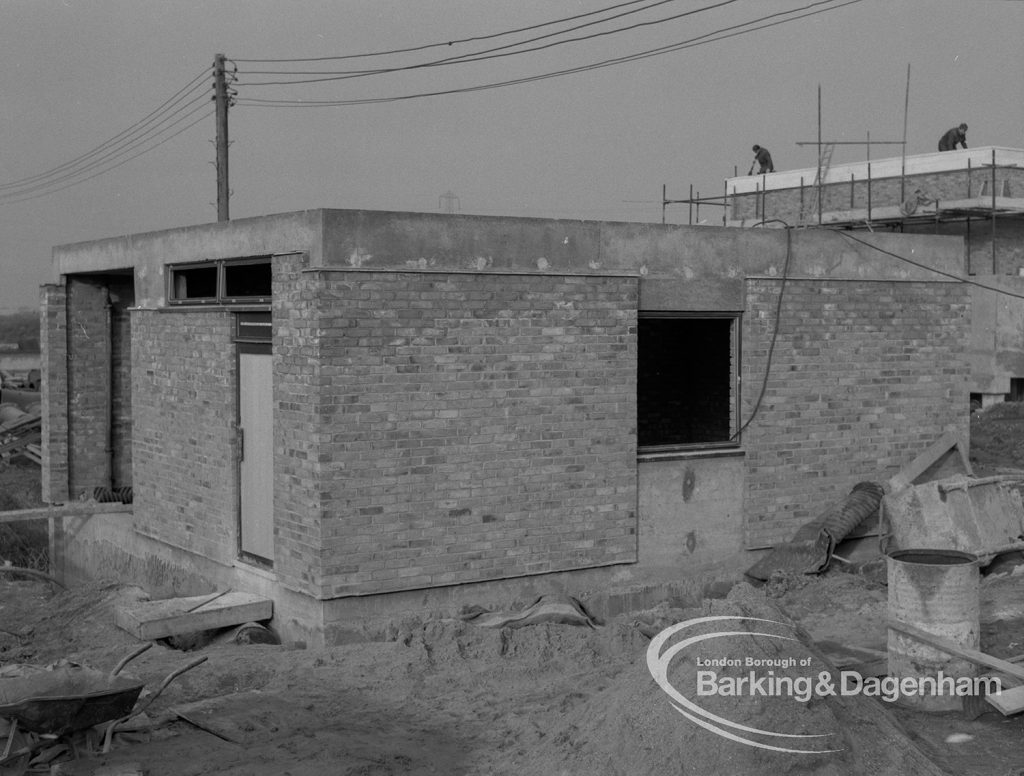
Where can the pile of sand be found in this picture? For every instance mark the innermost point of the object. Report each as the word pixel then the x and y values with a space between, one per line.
pixel 631 727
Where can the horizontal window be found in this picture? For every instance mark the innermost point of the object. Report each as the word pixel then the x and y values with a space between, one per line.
pixel 226 281
pixel 194 284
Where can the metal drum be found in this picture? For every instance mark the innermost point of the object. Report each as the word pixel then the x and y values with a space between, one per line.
pixel 935 591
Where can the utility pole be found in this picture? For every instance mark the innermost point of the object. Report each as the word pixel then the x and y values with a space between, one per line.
pixel 220 96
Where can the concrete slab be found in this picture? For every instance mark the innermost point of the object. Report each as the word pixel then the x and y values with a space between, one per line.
pixel 149 620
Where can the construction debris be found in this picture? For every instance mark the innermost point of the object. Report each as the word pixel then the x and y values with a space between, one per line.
pixel 811 550
pixel 546 609
pixel 982 516
pixel 20 433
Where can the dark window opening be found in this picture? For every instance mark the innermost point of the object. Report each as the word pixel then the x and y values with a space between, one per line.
pixel 247 280
pixel 1016 389
pixel 193 283
pixel 227 281
pixel 686 381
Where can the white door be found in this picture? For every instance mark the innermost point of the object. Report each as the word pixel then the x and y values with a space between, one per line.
pixel 256 443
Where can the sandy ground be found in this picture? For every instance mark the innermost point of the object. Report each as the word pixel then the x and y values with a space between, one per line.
pixel 448 697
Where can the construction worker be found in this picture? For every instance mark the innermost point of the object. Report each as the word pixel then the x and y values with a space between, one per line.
pixel 763 158
pixel 949 141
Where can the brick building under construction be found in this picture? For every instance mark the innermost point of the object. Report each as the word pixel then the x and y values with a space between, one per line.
pixel 352 412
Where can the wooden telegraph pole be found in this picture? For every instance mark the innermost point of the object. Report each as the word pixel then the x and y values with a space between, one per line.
pixel 220 96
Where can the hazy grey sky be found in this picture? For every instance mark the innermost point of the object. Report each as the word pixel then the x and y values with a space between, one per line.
pixel 592 145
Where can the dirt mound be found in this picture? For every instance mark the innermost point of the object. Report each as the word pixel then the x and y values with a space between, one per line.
pixel 632 727
pixel 997 438
pixel 444 641
pixel 835 606
pixel 72 623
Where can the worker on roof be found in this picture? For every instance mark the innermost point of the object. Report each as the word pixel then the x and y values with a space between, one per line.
pixel 763 158
pixel 949 141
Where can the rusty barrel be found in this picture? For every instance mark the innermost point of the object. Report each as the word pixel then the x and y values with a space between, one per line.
pixel 936 591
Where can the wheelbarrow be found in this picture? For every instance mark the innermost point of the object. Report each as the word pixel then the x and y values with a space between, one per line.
pixel 68 698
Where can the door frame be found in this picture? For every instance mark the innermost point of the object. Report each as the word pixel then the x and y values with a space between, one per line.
pixel 245 347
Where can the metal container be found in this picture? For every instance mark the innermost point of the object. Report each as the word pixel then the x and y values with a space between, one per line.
pixel 935 591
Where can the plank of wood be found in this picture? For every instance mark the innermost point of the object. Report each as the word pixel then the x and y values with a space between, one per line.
pixel 148 620
pixel 1011 669
pixel 1009 701
pixel 79 509
pixel 924 461
pixel 20 442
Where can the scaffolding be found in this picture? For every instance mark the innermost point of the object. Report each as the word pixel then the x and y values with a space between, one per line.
pixel 983 185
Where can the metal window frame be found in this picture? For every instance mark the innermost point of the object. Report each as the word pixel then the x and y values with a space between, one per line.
pixel 221 298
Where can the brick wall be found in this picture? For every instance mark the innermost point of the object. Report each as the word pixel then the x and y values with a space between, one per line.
pixel 297 425
pixel 89 385
pixel 884 192
pixel 184 435
pixel 53 340
pixel 863 378
pixel 472 427
pixel 122 297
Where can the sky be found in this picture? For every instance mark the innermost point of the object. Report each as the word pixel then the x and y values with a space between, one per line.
pixel 89 85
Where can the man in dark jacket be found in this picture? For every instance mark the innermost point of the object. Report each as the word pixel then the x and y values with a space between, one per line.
pixel 763 158
pixel 949 141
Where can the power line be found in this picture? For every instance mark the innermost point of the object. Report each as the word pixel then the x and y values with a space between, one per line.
pixel 113 153
pixel 113 166
pixel 118 139
pixel 711 37
pixel 134 156
pixel 493 53
pixel 451 42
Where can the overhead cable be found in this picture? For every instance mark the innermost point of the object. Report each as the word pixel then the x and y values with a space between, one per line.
pixel 113 152
pixel 75 179
pixel 710 37
pixel 450 42
pixel 480 56
pixel 117 140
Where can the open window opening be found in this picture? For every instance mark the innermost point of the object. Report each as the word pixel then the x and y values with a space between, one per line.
pixel 194 283
pixel 226 281
pixel 687 381
pixel 247 280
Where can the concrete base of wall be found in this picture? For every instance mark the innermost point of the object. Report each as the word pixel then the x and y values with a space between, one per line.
pixel 108 546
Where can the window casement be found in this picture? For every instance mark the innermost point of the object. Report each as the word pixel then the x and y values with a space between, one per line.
pixel 687 380
pixel 223 281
